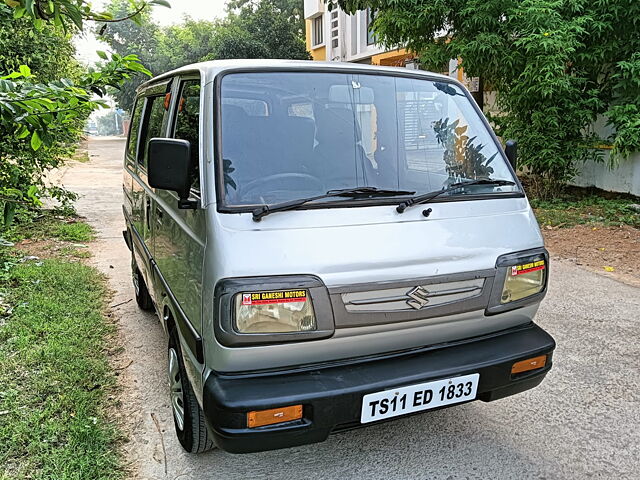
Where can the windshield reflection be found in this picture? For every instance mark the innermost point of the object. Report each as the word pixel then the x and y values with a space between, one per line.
pixel 291 135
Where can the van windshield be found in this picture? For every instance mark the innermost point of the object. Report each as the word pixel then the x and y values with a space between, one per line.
pixel 291 135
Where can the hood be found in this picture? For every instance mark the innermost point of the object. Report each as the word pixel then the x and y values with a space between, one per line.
pixel 346 246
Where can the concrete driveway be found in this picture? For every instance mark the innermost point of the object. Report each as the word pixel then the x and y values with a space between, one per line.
pixel 582 422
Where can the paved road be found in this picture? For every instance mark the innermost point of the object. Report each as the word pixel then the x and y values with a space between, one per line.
pixel 582 422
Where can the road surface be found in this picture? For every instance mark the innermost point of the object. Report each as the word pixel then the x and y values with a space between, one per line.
pixel 582 422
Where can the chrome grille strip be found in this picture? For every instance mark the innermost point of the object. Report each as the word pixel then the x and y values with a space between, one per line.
pixel 399 298
pixel 436 297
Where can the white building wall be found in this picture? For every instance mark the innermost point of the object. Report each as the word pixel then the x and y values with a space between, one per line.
pixel 313 7
pixel 352 36
pixel 624 178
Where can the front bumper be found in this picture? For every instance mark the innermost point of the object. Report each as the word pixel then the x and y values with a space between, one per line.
pixel 331 395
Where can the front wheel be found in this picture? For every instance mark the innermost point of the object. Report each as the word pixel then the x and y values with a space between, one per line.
pixel 188 417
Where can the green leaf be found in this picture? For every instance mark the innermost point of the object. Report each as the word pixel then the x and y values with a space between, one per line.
pixel 163 3
pixel 36 141
pixel 23 132
pixel 102 55
pixel 25 71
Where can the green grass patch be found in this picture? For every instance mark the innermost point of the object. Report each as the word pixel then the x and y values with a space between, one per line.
pixel 568 212
pixel 54 375
pixel 73 232
pixel 51 224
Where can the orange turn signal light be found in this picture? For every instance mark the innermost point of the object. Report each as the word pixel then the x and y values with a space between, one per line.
pixel 529 364
pixel 261 418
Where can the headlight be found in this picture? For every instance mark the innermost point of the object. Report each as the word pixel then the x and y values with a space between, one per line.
pixel 522 281
pixel 274 312
pixel 271 310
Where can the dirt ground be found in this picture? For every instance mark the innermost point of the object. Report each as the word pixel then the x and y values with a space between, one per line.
pixel 611 251
pixel 141 344
pixel 581 422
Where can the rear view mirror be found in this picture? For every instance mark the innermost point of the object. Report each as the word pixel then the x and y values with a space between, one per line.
pixel 349 94
pixel 168 167
pixel 511 149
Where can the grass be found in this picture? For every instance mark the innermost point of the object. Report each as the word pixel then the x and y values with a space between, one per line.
pixel 55 378
pixel 51 224
pixel 570 211
pixel 73 232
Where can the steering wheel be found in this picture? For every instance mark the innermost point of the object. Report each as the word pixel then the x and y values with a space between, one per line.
pixel 254 184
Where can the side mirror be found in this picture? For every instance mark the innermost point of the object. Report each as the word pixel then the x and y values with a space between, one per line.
pixel 168 167
pixel 511 149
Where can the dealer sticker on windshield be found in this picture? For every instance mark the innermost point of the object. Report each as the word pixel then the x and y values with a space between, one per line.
pixel 415 398
pixel 265 298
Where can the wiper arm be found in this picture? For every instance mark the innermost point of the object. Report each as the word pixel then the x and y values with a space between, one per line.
pixel 368 191
pixel 426 197
pixel 265 210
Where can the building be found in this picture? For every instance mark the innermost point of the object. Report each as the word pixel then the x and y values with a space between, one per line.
pixel 337 36
pixel 340 37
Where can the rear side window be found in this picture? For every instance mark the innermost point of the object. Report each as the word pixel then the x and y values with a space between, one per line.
pixel 187 125
pixel 134 129
pixel 156 116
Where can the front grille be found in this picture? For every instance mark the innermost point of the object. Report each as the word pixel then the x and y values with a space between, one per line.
pixel 414 298
pixel 407 300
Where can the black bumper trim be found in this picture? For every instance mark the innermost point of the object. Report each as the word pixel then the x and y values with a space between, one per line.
pixel 332 396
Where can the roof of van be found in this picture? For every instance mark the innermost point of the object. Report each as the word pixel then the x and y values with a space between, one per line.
pixel 214 67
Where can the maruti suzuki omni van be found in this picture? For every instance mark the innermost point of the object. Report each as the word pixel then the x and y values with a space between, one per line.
pixel 328 246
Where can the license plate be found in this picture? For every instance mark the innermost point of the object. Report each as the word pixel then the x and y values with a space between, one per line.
pixel 415 398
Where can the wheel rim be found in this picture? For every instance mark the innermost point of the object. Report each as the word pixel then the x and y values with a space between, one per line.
pixel 175 383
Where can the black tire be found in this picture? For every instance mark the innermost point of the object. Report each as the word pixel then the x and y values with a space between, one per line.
pixel 143 299
pixel 192 432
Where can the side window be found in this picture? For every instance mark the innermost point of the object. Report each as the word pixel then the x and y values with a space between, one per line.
pixel 187 125
pixel 156 114
pixel 134 129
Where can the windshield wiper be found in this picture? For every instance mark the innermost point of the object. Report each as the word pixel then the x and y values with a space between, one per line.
pixel 368 192
pixel 365 192
pixel 426 197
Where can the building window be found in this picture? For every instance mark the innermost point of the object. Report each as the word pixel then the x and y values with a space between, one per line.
pixel 317 36
pixel 371 37
pixel 335 32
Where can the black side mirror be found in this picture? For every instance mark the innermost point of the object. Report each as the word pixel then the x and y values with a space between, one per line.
pixel 511 149
pixel 168 167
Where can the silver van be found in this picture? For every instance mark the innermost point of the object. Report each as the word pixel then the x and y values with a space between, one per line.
pixel 328 246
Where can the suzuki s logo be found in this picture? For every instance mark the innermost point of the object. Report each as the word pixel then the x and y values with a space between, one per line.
pixel 419 297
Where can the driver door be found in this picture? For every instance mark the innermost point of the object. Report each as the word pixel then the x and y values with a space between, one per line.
pixel 180 234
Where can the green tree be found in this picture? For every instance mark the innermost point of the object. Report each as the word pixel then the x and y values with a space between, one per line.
pixel 185 43
pixel 293 10
pixel 260 29
pixel 252 29
pixel 47 52
pixel 42 110
pixel 557 65
pixel 139 38
pixel 73 13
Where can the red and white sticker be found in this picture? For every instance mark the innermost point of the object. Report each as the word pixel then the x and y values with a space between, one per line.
pixel 266 298
pixel 527 268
